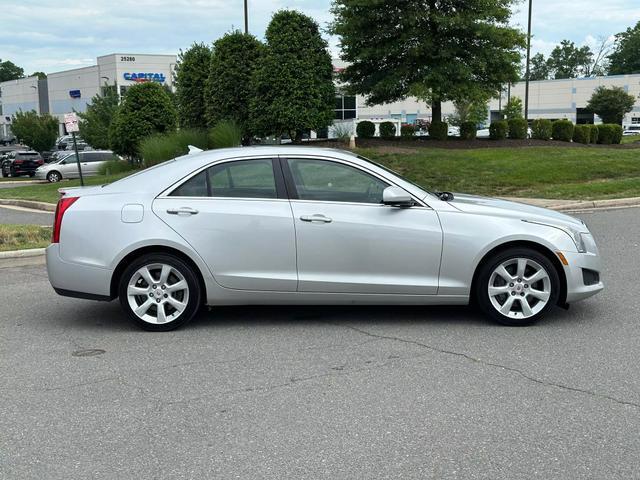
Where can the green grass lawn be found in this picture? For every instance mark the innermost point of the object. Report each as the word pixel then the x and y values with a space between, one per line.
pixel 20 237
pixel 48 192
pixel 630 139
pixel 541 172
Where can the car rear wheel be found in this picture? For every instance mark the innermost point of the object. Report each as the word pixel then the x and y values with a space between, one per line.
pixel 517 287
pixel 159 292
pixel 54 177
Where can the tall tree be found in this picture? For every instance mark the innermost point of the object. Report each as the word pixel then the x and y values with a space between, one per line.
pixel 95 123
pixel 40 75
pixel 228 87
pixel 611 104
pixel 513 108
pixel 440 49
pixel 293 84
pixel 475 110
pixel 540 69
pixel 37 131
pixel 146 109
pixel 626 52
pixel 568 61
pixel 191 75
pixel 10 71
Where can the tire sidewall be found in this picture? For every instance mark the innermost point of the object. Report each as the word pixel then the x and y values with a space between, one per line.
pixel 193 304
pixel 481 293
pixel 50 176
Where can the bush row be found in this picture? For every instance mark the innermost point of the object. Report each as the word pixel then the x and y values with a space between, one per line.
pixel 561 130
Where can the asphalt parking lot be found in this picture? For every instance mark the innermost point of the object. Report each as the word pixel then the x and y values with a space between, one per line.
pixel 24 216
pixel 331 392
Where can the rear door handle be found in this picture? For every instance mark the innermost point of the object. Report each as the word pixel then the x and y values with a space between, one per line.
pixel 182 211
pixel 319 218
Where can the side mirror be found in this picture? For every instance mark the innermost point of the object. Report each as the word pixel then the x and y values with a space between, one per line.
pixel 397 197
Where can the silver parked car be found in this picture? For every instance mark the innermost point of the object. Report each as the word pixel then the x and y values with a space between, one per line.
pixel 301 225
pixel 67 165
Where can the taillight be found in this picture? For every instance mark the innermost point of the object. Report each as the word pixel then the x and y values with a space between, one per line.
pixel 18 162
pixel 40 162
pixel 63 205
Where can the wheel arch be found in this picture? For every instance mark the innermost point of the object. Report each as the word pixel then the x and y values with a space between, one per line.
pixel 542 249
pixel 137 253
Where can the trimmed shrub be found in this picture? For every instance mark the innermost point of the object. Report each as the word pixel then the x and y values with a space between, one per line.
pixel 609 133
pixel 582 134
pixel 439 130
pixel 387 130
pixel 594 133
pixel 407 130
pixel 518 128
pixel 162 147
pixel 562 130
pixel 366 129
pixel 113 167
pixel 541 129
pixel 226 134
pixel 468 130
pixel 498 130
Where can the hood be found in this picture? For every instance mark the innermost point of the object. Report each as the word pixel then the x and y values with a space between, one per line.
pixel 504 208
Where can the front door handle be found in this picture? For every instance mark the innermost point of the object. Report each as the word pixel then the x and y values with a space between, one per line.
pixel 319 218
pixel 182 211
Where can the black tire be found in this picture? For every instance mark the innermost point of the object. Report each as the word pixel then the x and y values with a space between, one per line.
pixel 32 174
pixel 481 293
pixel 193 302
pixel 54 176
pixel 4 173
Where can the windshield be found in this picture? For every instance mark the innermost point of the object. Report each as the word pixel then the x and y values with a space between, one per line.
pixel 386 169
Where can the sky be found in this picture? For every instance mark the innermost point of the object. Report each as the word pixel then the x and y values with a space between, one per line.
pixel 50 36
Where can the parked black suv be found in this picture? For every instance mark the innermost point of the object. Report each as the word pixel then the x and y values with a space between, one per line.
pixel 21 163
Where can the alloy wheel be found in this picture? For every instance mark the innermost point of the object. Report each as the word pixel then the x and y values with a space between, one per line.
pixel 158 293
pixel 519 288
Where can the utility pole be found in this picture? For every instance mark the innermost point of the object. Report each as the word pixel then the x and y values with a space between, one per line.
pixel 246 17
pixel 526 85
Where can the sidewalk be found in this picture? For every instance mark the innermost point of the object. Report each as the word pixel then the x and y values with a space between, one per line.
pixel 577 205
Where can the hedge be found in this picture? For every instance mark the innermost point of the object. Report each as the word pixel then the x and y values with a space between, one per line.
pixel 582 134
pixel 407 130
pixel 439 130
pixel 365 129
pixel 594 133
pixel 518 128
pixel 387 130
pixel 498 130
pixel 609 133
pixel 562 130
pixel 541 129
pixel 468 130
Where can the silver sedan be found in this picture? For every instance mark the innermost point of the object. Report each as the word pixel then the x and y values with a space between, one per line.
pixel 299 225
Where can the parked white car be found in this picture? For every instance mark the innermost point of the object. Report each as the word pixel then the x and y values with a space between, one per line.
pixel 303 225
pixel 67 166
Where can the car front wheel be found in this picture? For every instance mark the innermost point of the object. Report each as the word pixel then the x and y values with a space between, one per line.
pixel 53 177
pixel 517 287
pixel 159 292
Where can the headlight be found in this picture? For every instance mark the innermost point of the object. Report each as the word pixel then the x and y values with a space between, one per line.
pixel 576 235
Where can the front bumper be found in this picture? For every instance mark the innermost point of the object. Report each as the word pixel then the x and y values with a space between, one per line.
pixel 41 174
pixel 77 280
pixel 576 287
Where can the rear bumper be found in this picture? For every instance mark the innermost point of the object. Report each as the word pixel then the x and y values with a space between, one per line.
pixel 77 280
pixel 576 288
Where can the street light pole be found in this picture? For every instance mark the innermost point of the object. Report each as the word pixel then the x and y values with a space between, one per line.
pixel 246 18
pixel 526 87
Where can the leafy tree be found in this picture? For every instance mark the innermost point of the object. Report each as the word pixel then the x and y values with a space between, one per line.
pixel 191 75
pixel 228 86
pixel 513 108
pixel 437 51
pixel 568 61
pixel 95 123
pixel 611 104
pixel 539 69
pixel 469 111
pixel 626 52
pixel 40 75
pixel 146 109
pixel 37 131
pixel 10 71
pixel 293 84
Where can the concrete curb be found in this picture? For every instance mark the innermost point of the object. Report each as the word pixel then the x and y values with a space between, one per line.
pixel 578 205
pixel 44 206
pixel 22 182
pixel 32 252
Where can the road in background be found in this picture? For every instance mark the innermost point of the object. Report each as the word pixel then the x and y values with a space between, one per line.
pixel 324 393
pixel 24 216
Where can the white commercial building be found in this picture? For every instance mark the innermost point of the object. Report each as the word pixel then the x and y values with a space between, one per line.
pixel 71 90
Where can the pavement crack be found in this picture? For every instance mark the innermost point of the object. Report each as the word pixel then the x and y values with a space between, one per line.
pixel 507 368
